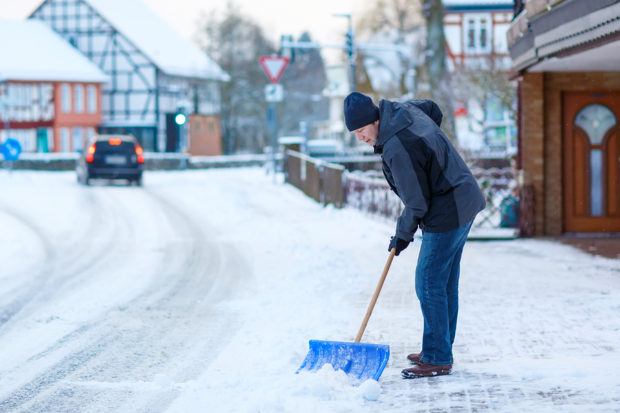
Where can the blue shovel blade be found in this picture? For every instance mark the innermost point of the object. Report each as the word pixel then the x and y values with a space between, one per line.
pixel 360 361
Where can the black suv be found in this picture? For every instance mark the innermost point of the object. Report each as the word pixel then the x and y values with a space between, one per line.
pixel 111 157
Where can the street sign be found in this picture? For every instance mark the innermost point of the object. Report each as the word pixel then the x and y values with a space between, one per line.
pixel 273 66
pixel 11 149
pixel 274 93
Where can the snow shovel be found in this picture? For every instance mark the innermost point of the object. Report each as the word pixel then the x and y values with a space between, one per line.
pixel 360 361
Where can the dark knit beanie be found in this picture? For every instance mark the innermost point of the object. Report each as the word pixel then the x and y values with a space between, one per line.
pixel 359 111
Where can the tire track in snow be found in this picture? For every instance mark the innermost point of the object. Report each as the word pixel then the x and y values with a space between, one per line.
pixel 161 328
pixel 17 298
pixel 65 260
pixel 70 262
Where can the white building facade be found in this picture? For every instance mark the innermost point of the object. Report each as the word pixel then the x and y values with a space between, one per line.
pixel 479 59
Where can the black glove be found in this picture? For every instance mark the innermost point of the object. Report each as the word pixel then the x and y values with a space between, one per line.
pixel 398 243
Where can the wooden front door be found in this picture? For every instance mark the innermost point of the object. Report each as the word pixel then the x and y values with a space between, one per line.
pixel 591 127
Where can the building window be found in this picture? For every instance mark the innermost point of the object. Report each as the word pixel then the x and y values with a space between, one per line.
pixel 471 34
pixel 500 129
pixel 50 139
pixel 596 121
pixel 483 34
pixel 78 96
pixel 65 92
pixel 64 140
pixel 46 95
pixel 78 139
pixel 90 133
pixel 92 99
pixel 477 30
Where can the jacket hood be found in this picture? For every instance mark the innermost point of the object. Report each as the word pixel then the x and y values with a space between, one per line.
pixel 395 116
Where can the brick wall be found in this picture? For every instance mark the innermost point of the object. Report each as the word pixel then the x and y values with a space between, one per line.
pixel 542 139
pixel 532 145
pixel 553 189
pixel 72 119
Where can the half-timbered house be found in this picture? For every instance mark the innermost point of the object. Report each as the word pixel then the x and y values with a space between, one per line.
pixel 153 71
pixel 476 32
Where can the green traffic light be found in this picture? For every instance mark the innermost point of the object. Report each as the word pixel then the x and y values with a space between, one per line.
pixel 180 119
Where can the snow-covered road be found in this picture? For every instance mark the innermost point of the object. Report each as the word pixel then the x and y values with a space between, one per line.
pixel 105 290
pixel 199 293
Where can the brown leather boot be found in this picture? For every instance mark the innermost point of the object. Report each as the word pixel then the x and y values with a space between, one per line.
pixel 414 357
pixel 422 369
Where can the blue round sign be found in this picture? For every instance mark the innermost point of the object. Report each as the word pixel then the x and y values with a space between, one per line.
pixel 11 149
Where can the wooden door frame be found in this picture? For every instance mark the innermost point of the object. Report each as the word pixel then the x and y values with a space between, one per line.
pixel 577 101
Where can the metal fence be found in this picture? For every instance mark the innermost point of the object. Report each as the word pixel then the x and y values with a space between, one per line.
pixel 499 188
pixel 369 192
pixel 320 180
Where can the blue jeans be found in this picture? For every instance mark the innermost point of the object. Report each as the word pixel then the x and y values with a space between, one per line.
pixel 437 288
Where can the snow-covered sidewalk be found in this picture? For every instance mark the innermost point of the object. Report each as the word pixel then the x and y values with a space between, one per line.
pixel 538 328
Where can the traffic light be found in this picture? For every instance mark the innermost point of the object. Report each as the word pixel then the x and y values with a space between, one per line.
pixel 286 49
pixel 180 117
pixel 349 42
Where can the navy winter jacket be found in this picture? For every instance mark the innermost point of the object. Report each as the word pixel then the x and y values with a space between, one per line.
pixel 437 188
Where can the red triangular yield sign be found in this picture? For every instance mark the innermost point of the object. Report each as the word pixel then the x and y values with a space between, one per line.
pixel 273 66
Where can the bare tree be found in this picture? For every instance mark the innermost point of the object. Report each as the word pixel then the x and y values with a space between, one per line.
pixel 482 85
pixel 402 15
pixel 486 92
pixel 236 42
pixel 436 73
pixel 398 20
pixel 303 80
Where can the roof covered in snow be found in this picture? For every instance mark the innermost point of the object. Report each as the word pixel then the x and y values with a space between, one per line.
pixel 31 51
pixel 165 47
pixel 454 5
pixel 477 2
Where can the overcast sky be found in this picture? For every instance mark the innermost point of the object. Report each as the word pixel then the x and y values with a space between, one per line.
pixel 275 16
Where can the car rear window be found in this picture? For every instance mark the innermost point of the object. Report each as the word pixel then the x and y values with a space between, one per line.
pixel 121 147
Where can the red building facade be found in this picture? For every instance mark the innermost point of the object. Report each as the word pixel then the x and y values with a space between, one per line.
pixel 50 94
pixel 50 116
pixel 78 113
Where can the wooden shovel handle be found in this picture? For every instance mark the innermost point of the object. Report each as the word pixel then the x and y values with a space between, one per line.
pixel 375 296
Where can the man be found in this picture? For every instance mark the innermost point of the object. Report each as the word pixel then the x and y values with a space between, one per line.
pixel 440 195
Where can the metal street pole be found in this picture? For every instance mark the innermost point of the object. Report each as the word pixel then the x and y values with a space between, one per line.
pixel 349 46
pixel 274 67
pixel 272 126
pixel 350 49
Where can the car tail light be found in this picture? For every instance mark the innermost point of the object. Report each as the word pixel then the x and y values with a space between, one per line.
pixel 139 152
pixel 114 141
pixel 91 153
